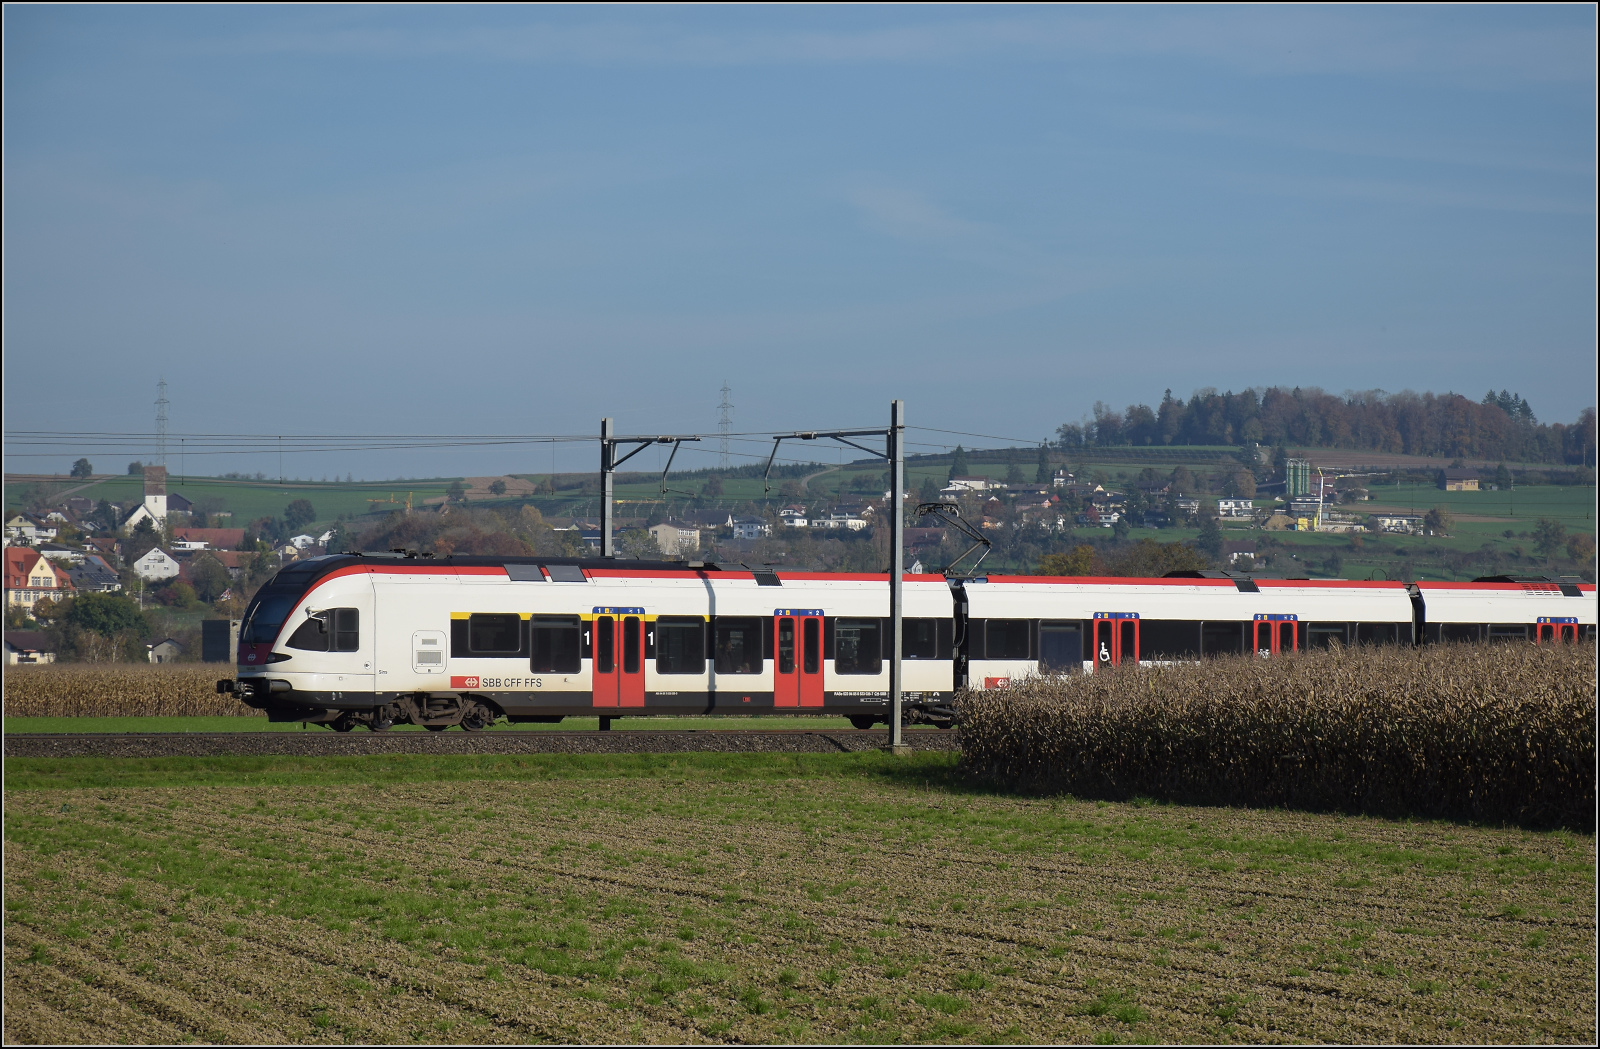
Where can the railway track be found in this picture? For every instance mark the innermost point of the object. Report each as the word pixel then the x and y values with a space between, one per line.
pixel 546 741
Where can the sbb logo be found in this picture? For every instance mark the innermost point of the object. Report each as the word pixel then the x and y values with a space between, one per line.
pixel 465 682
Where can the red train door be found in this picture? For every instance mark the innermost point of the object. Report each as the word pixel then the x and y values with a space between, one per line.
pixel 606 685
pixel 1276 633
pixel 811 683
pixel 786 674
pixel 618 657
pixel 797 673
pixel 1116 638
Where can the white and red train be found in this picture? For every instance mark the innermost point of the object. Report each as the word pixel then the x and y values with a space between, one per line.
pixel 369 640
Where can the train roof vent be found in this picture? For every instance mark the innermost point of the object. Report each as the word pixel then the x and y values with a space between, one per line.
pixel 565 573
pixel 525 573
pixel 1247 586
pixel 1244 584
pixel 766 577
pixel 1568 590
pixel 1512 579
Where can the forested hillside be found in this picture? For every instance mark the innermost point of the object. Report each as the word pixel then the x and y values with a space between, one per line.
pixel 1502 426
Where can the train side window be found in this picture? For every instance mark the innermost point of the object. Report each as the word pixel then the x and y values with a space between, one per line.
pixel 330 630
pixel 494 634
pixel 346 629
pixel 1376 634
pixel 947 631
pixel 919 638
pixel 1324 635
pixel 857 646
pixel 1169 639
pixel 680 645
pixel 557 642
pixel 310 636
pixel 1508 632
pixel 1061 646
pixel 1218 639
pixel 738 645
pixel 1006 639
pixel 1458 631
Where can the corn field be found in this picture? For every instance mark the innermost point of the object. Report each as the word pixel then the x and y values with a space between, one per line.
pixel 1478 732
pixel 120 690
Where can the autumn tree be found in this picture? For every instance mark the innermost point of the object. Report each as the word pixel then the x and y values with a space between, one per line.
pixel 1549 537
pixel 1081 560
pixel 82 468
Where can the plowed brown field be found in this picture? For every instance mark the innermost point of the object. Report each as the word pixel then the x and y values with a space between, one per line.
pixel 837 909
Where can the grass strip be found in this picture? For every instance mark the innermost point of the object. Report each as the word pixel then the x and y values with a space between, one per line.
pixel 919 768
pixel 136 724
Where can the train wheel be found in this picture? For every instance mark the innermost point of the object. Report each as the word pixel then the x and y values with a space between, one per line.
pixel 944 724
pixel 343 724
pixel 436 728
pixel 863 722
pixel 477 719
pixel 382 724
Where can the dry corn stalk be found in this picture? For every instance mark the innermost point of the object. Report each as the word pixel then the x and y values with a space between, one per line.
pixel 1486 732
pixel 119 690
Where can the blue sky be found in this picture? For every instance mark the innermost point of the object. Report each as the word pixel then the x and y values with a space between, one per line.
pixel 481 220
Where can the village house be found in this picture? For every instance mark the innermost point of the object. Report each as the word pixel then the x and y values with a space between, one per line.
pixel 751 528
pixel 1407 524
pixel 1236 550
pixel 1061 479
pixel 156 565
pixel 207 538
pixel 94 574
pixel 68 555
pixel 31 578
pixel 29 646
pixel 968 484
pixel 167 650
pixel 793 517
pixel 1235 508
pixel 673 539
pixel 1460 480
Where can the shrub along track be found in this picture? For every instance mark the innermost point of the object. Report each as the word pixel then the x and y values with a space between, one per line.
pixel 694 908
pixel 323 743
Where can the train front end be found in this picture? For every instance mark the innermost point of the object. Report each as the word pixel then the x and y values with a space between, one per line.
pixel 306 648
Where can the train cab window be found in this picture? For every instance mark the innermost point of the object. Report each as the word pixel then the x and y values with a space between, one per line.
pixel 1324 635
pixel 919 638
pixel 1006 639
pixel 330 630
pixel 1169 639
pixel 1218 639
pixel 857 646
pixel 738 645
pixel 1508 632
pixel 1061 646
pixel 494 634
pixel 680 645
pixel 556 644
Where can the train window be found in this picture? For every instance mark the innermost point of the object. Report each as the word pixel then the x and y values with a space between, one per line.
pixel 630 645
pixel 1376 634
pixel 786 645
pixel 494 634
pixel 919 638
pixel 1458 631
pixel 738 645
pixel 1508 632
pixel 680 645
pixel 346 629
pixel 605 644
pixel 311 636
pixel 1061 646
pixel 1169 639
pixel 1221 638
pixel 1006 639
pixel 1324 635
pixel 810 661
pixel 556 644
pixel 330 630
pixel 265 618
pixel 857 646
